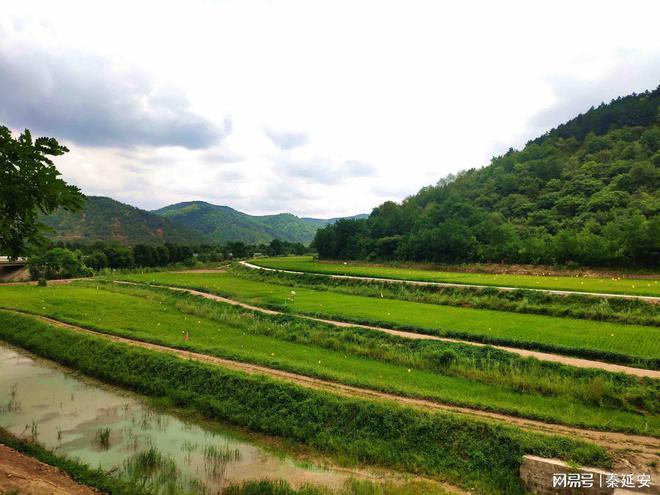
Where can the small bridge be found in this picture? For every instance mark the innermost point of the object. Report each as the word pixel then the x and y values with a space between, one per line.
pixel 13 270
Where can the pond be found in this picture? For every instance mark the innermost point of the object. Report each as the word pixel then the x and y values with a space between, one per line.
pixel 106 427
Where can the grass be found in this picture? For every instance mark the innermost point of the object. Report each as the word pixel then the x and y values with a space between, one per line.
pixel 102 438
pixel 163 317
pixel 614 342
pixel 620 310
pixel 475 454
pixel 353 487
pixel 616 285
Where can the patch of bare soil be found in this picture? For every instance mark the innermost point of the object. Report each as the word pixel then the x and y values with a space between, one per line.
pixel 25 475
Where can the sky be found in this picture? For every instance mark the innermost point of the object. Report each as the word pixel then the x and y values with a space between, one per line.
pixel 318 108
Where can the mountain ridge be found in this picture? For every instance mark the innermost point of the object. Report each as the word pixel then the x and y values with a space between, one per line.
pixel 223 223
pixel 106 219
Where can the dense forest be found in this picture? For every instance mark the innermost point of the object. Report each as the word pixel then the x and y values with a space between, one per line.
pixel 584 193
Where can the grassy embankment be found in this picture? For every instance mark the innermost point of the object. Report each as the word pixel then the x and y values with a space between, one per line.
pixel 610 285
pixel 635 345
pixel 472 453
pixel 457 374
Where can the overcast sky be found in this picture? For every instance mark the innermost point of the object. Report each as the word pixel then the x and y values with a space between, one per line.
pixel 315 108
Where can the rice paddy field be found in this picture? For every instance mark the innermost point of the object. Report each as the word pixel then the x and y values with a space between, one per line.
pixel 607 340
pixel 459 415
pixel 613 285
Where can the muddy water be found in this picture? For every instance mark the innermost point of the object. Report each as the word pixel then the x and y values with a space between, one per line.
pixel 69 414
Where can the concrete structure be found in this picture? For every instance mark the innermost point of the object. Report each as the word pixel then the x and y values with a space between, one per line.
pixel 554 477
pixel 13 270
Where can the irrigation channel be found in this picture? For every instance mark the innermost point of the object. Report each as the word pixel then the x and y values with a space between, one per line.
pixel 107 427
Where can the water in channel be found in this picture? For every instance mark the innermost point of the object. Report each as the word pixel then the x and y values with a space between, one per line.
pixel 105 427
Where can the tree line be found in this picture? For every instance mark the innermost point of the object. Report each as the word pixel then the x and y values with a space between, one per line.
pixel 78 259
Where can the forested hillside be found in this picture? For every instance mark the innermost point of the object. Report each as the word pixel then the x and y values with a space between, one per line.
pixel 584 193
pixel 104 219
pixel 224 224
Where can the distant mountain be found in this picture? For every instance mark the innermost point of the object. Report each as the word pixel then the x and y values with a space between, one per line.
pixel 105 219
pixel 222 223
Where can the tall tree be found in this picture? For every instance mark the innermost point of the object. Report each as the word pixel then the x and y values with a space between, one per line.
pixel 29 183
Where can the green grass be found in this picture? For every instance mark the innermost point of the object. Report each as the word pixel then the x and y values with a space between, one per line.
pixel 352 487
pixel 482 364
pixel 157 317
pixel 633 286
pixel 608 341
pixel 619 310
pixel 479 455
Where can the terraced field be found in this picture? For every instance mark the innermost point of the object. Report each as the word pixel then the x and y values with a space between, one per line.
pixel 182 347
pixel 636 344
pixel 603 285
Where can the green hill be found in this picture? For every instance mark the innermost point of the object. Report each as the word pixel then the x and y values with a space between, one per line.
pixel 108 220
pixel 584 193
pixel 222 223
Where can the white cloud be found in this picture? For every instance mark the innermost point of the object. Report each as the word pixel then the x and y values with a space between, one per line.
pixel 395 94
pixel 287 140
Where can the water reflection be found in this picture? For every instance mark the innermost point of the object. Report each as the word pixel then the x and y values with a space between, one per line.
pixel 102 426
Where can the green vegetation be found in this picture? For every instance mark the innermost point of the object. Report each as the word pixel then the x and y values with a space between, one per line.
pixel 150 472
pixel 353 487
pixel 444 372
pixel 611 285
pixel 29 183
pixel 58 263
pixel 223 224
pixel 104 219
pixel 585 193
pixel 102 438
pixel 629 344
pixel 621 310
pixel 472 453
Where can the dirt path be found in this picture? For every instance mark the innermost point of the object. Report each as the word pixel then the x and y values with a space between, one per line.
pixel 651 299
pixel 541 356
pixel 644 446
pixel 28 476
